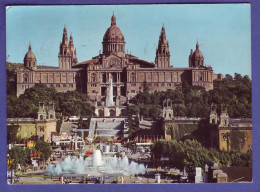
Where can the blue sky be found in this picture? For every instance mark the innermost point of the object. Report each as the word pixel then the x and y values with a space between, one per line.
pixel 222 30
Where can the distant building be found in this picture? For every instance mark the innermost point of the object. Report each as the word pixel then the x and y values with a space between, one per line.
pixel 128 72
pixel 232 133
pixel 42 127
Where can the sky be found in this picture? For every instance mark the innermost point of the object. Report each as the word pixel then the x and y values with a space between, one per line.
pixel 222 30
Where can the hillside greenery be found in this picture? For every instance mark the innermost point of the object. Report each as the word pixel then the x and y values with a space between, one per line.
pixel 195 101
pixel 191 154
pixel 68 103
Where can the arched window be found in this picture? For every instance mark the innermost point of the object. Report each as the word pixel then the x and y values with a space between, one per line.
pixel 112 113
pixel 201 76
pixel 41 129
pixel 113 63
pixel 93 77
pixel 123 112
pixel 25 78
pixel 104 79
pixel 100 113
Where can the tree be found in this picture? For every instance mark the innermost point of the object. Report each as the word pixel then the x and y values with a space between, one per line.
pixel 11 133
pixel 10 81
pixel 75 103
pixel 191 154
pixel 21 156
pixel 39 93
pixel 44 149
pixel 69 103
pixel 195 101
pixel 133 110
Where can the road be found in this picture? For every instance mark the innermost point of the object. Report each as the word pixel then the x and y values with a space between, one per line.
pixel 67 127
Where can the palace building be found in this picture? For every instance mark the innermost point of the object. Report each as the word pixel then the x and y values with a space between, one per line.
pixel 128 73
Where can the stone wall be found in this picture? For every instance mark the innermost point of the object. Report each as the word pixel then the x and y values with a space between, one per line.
pixel 243 140
pixel 34 127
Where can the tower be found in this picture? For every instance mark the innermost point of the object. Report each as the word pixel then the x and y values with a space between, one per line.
pixel 224 118
pixel 167 109
pixel 113 40
pixel 51 111
pixel 67 54
pixel 30 59
pixel 162 59
pixel 41 112
pixel 213 117
pixel 196 58
pixel 73 54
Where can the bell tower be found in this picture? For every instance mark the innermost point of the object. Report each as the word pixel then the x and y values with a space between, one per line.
pixel 167 109
pixel 162 59
pixel 67 53
pixel 224 118
pixel 213 117
pixel 42 115
pixel 51 111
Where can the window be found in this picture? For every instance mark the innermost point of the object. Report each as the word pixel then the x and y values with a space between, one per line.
pixel 104 79
pixel 64 85
pixel 132 79
pixel 25 78
pixel 41 129
pixel 93 77
pixel 57 85
pixel 132 91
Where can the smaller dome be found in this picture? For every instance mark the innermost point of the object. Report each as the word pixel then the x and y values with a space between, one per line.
pixel 29 54
pixel 197 53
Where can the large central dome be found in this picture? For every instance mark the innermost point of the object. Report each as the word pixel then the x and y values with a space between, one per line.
pixel 113 40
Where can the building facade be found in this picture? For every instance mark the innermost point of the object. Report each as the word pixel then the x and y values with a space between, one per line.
pixel 43 126
pixel 232 133
pixel 129 74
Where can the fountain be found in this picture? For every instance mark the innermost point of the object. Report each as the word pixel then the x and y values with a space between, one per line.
pixel 97 158
pixel 110 94
pixel 96 166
